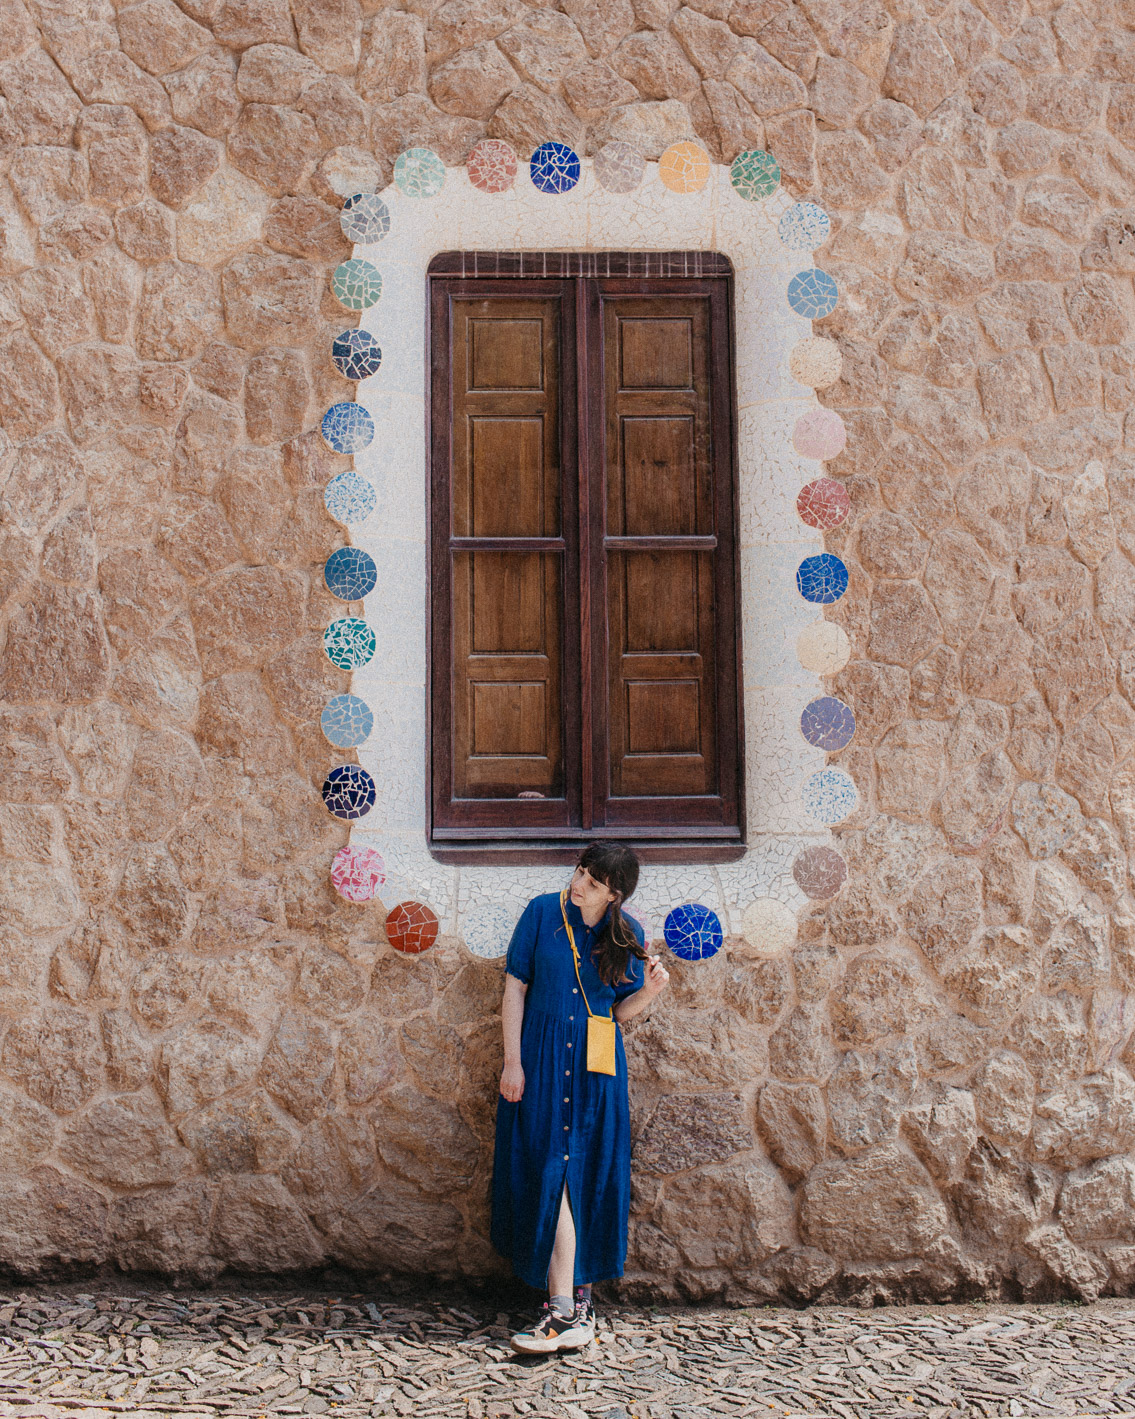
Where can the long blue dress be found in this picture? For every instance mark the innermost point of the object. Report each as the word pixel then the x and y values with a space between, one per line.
pixel 570 1124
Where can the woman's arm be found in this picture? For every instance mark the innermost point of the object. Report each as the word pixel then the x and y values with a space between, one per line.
pixel 512 1018
pixel 655 980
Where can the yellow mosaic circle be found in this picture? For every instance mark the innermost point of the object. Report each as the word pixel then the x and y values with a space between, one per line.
pixel 684 167
pixel 823 648
pixel 816 362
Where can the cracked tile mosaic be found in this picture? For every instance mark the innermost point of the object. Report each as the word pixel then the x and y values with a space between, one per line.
pixel 754 175
pixel 350 573
pixel 813 294
pixel 804 227
pixel 419 172
pixel 349 792
pixel 693 932
pixel 819 872
pixel 365 218
pixel 815 362
pixel 823 648
pixel 346 721
pixel 356 284
pixel 357 873
pixel 348 643
pixel 411 928
pixel 619 167
pixel 684 167
pixel 820 433
pixel 823 503
pixel 828 724
pixel 554 168
pixel 829 796
pixel 491 165
pixel 643 921
pixel 349 498
pixel 821 579
pixel 488 929
pixel 769 927
pixel 355 354
pixel 347 428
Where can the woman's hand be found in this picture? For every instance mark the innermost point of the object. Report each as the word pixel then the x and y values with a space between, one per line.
pixel 655 977
pixel 512 1083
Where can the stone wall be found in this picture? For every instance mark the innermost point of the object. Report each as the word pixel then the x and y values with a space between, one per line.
pixel 208 1059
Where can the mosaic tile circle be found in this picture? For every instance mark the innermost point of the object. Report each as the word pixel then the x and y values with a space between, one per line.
pixel 554 168
pixel 419 172
pixel 821 579
pixel 411 928
pixel 357 872
pixel 693 932
pixel 365 218
pixel 813 294
pixel 804 227
pixel 491 165
pixel 828 724
pixel 349 497
pixel 754 175
pixel 349 792
pixel 619 167
pixel 768 927
pixel 356 284
pixel 830 795
pixel 488 929
pixel 820 433
pixel 820 872
pixel 823 503
pixel 346 721
pixel 350 573
pixel 349 643
pixel 815 362
pixel 355 354
pixel 684 167
pixel 347 428
pixel 823 648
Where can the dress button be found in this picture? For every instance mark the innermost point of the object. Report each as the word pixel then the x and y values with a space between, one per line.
pixel 565 1157
pixel 565 1128
pixel 567 1073
pixel 569 1044
pixel 574 991
pixel 567 1101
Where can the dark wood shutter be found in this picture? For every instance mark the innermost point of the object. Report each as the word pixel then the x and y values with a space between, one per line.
pixel 584 648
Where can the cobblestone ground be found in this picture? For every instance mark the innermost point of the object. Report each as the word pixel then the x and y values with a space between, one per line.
pixel 98 1350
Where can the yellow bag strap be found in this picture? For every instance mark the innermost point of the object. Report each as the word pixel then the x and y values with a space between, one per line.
pixel 575 957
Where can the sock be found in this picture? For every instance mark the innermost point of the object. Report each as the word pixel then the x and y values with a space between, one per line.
pixel 563 1307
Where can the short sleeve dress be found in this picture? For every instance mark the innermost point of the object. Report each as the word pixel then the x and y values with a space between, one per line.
pixel 570 1125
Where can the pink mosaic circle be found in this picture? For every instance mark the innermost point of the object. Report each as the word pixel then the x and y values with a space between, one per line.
pixel 619 167
pixel 357 873
pixel 492 166
pixel 819 434
pixel 823 503
pixel 820 872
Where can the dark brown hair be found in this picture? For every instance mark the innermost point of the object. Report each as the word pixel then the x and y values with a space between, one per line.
pixel 616 867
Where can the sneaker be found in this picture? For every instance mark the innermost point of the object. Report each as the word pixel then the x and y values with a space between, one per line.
pixel 585 1317
pixel 551 1332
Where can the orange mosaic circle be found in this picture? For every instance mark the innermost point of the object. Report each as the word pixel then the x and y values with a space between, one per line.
pixel 684 167
pixel 411 928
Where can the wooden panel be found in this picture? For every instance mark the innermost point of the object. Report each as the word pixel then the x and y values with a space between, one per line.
pixel 656 354
pixel 662 717
pixel 509 718
pixel 506 353
pixel 507 478
pixel 507 603
pixel 659 488
pixel 660 601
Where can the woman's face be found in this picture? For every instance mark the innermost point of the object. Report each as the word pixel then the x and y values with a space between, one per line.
pixel 590 896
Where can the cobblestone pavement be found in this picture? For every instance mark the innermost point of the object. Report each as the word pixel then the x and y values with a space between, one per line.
pixel 86 1351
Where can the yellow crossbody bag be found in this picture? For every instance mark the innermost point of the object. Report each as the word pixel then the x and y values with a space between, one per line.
pixel 600 1029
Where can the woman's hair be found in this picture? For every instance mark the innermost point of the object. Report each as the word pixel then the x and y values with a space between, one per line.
pixel 616 867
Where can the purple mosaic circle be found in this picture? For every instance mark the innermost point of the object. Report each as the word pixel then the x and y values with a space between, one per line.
pixel 828 724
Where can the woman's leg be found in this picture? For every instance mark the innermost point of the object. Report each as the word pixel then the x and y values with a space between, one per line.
pixel 561 1268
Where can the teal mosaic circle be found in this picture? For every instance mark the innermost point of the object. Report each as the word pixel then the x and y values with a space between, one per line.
pixel 754 175
pixel 419 172
pixel 349 643
pixel 357 284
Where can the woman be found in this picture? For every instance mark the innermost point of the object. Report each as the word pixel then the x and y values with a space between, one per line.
pixel 561 1172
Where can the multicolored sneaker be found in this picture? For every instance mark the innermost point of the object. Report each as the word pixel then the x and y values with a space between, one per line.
pixel 585 1316
pixel 551 1332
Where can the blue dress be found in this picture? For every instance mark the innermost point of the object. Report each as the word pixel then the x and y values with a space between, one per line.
pixel 570 1125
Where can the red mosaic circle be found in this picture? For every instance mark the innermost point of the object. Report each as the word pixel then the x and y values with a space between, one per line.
pixel 820 872
pixel 411 928
pixel 823 503
pixel 492 166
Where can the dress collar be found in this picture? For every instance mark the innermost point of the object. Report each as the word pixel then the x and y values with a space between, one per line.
pixel 575 916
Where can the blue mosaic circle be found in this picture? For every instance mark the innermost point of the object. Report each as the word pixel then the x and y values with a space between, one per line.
pixel 821 579
pixel 355 354
pixel 813 294
pixel 346 721
pixel 350 574
pixel 349 792
pixel 356 284
pixel 554 167
pixel 804 226
pixel 830 796
pixel 349 643
pixel 348 428
pixel 365 218
pixel 828 724
pixel 419 172
pixel 693 932
pixel 349 498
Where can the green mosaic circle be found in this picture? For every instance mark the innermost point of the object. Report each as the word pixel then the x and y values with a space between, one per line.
pixel 419 172
pixel 755 175
pixel 357 284
pixel 349 642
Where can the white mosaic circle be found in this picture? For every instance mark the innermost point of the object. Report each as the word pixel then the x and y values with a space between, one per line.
pixel 823 648
pixel 830 796
pixel 804 227
pixel 815 362
pixel 488 929
pixel 349 497
pixel 768 927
